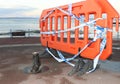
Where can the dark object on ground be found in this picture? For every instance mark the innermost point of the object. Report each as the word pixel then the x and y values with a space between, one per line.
pixel 36 66
pixel 36 63
pixel 82 66
pixel 18 33
pixel 78 65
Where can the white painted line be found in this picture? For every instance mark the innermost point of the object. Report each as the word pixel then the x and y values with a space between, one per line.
pixel 116 48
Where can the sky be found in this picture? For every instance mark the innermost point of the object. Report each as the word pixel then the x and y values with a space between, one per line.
pixel 33 8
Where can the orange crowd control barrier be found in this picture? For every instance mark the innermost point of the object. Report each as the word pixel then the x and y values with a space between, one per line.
pixel 55 24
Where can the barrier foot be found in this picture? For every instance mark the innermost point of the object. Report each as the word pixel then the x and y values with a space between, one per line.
pixel 78 65
pixel 86 67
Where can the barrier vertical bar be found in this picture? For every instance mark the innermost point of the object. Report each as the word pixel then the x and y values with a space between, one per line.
pixel 117 24
pixel 69 26
pixel 109 36
pixel 62 28
pixel 50 27
pixel 56 27
pixel 77 30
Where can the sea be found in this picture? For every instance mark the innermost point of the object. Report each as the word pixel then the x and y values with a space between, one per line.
pixel 28 24
pixel 18 24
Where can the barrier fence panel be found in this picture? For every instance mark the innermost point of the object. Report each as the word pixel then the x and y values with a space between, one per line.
pixel 70 28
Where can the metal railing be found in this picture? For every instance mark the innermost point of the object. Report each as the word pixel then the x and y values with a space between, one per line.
pixel 19 33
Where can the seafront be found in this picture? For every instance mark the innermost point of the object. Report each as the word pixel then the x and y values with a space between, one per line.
pixel 73 24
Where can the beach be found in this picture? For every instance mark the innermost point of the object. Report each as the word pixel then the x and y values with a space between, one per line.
pixel 13 59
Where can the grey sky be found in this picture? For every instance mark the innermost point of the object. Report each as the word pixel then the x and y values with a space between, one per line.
pixel 33 8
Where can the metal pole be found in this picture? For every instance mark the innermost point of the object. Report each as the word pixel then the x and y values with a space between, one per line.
pixel 11 33
pixel 28 32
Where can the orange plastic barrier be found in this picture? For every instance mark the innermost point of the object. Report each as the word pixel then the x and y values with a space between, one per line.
pixel 72 41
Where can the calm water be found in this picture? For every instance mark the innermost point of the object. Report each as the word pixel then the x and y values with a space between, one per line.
pixel 13 24
pixel 18 23
pixel 28 24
